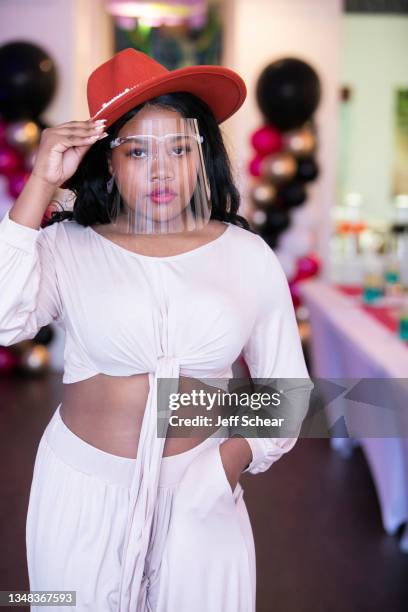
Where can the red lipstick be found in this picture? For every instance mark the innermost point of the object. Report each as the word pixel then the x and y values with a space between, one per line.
pixel 162 196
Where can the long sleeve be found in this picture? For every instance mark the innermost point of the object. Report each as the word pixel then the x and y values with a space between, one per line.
pixel 274 351
pixel 29 295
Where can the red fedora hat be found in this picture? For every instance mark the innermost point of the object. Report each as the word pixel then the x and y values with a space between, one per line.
pixel 131 77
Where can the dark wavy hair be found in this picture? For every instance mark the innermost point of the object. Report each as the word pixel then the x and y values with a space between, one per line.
pixel 92 202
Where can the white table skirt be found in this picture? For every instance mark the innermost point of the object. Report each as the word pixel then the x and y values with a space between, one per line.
pixel 347 343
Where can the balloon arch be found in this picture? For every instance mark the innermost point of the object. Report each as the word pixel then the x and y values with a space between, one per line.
pixel 288 93
pixel 29 79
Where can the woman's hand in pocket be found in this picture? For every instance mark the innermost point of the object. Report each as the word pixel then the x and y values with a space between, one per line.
pixel 235 454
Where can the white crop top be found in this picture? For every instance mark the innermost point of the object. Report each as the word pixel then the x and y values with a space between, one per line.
pixel 126 313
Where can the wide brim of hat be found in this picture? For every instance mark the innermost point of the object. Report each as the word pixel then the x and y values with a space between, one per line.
pixel 221 88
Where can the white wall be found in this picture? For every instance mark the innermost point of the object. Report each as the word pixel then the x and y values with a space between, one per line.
pixel 257 33
pixel 375 63
pixel 94 44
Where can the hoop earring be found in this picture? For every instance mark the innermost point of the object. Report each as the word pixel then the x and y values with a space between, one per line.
pixel 109 184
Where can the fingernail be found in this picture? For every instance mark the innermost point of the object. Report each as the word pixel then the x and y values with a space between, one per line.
pixel 100 121
pixel 103 135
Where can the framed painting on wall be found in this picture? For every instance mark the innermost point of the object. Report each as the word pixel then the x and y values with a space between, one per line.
pixel 175 46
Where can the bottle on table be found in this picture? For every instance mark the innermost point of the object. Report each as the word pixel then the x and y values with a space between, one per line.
pixel 403 320
pixel 373 278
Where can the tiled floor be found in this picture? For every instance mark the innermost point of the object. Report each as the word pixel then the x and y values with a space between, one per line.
pixel 319 540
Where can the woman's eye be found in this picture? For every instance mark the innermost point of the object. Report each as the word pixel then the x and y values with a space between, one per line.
pixel 179 151
pixel 137 153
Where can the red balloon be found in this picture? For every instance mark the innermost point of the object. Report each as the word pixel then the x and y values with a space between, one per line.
pixel 307 266
pixel 17 182
pixel 3 126
pixel 10 160
pixel 8 360
pixel 47 216
pixel 294 292
pixel 255 166
pixel 267 140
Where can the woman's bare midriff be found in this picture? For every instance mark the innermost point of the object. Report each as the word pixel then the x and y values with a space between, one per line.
pixel 107 412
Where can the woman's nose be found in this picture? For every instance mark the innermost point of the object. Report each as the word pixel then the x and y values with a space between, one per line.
pixel 161 165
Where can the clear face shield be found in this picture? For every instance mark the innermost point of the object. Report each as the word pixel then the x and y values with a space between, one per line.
pixel 159 183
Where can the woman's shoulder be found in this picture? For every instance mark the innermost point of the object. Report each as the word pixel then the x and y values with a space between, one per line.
pixel 253 252
pixel 59 235
pixel 248 242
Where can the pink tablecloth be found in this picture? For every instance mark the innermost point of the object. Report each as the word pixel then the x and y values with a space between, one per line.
pixel 383 314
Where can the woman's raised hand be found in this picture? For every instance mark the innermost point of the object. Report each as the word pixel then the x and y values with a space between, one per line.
pixel 62 148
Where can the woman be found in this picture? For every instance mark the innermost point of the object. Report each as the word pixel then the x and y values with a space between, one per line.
pixel 154 276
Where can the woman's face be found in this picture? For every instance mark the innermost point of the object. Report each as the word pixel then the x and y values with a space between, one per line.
pixel 156 177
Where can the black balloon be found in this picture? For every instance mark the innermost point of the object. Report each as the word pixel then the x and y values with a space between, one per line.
pixel 308 170
pixel 42 124
pixel 293 194
pixel 271 239
pixel 44 336
pixel 288 93
pixel 28 80
pixel 277 220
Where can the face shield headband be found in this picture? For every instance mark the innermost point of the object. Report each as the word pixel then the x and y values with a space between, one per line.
pixel 159 183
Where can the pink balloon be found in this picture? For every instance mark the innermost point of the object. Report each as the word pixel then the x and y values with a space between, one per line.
pixel 8 360
pixel 17 182
pixel 267 140
pixel 255 166
pixel 10 160
pixel 307 266
pixel 294 292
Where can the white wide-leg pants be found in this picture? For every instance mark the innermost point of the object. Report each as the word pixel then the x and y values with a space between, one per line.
pixel 201 555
